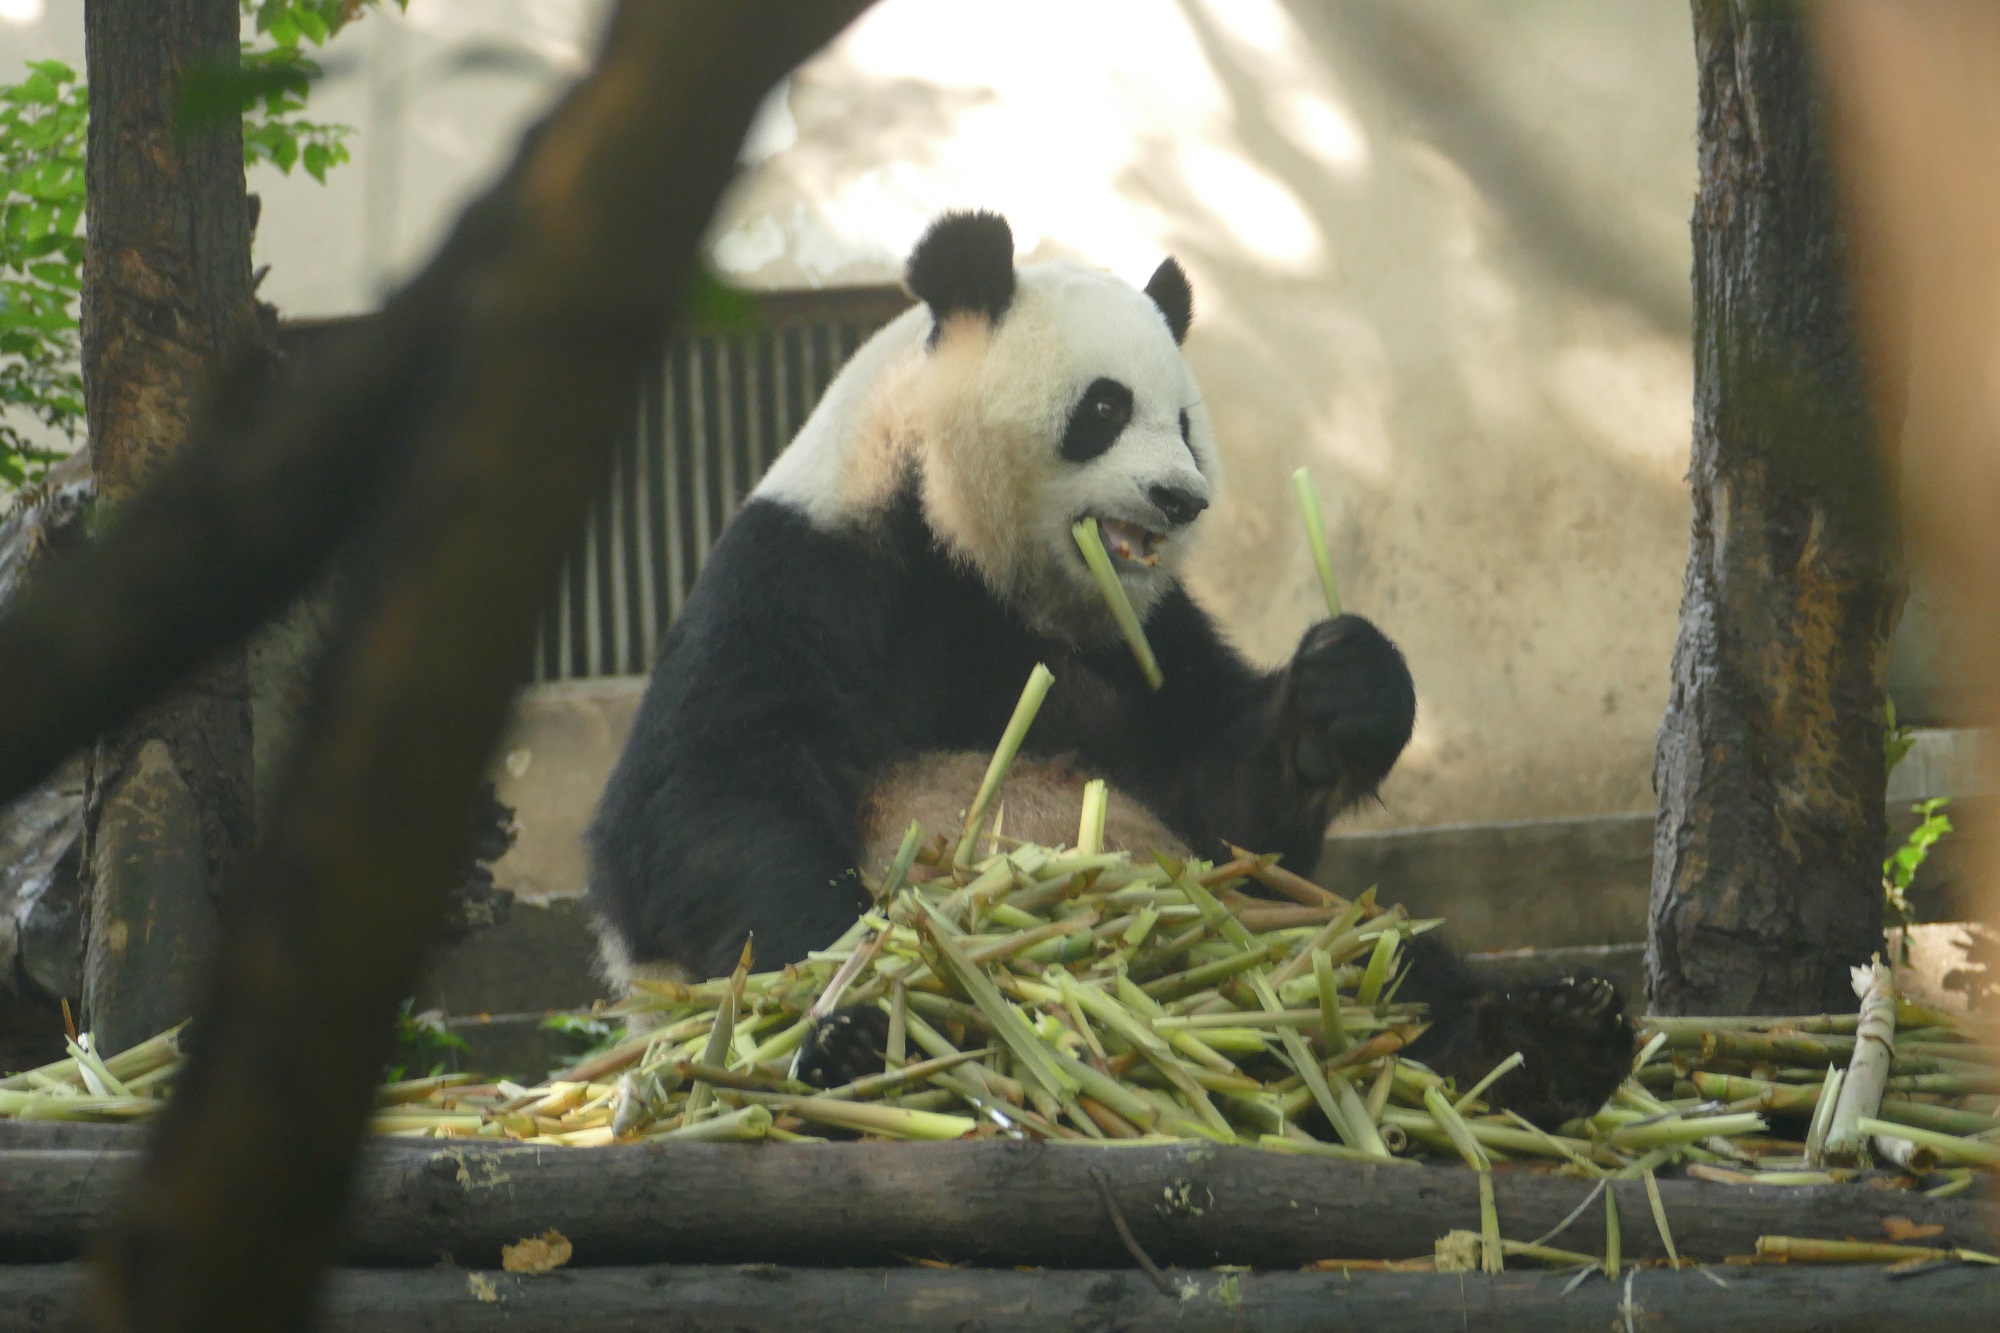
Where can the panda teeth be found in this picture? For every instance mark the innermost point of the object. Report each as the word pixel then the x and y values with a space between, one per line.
pixel 1130 542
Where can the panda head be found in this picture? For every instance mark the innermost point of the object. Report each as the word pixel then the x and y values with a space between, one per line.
pixel 1048 394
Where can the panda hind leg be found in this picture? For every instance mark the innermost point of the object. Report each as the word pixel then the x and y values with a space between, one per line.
pixel 1572 1032
pixel 845 1045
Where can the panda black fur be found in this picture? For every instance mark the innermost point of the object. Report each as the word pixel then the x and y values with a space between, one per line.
pixel 876 605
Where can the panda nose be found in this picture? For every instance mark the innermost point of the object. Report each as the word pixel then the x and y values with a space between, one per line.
pixel 1177 503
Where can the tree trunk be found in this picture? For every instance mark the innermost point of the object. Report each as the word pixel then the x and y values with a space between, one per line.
pixel 1767 854
pixel 166 295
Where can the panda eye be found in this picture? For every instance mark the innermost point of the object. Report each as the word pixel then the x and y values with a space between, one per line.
pixel 1098 419
pixel 1184 429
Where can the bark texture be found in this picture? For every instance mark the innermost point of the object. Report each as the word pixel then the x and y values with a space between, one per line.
pixel 990 1204
pixel 1769 770
pixel 1793 1299
pixel 166 298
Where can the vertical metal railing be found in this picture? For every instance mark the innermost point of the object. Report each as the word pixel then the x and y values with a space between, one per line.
pixel 706 426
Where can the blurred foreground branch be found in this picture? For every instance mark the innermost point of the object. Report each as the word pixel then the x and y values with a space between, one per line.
pixel 1915 109
pixel 471 424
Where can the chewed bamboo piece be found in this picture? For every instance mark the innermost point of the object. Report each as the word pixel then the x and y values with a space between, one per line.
pixel 1092 545
pixel 1309 510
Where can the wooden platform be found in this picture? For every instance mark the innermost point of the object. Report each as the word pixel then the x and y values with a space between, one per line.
pixel 698 1299
pixel 993 1204
pixel 837 1237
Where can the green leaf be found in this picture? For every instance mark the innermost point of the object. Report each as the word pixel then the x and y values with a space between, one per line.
pixel 716 307
pixel 216 93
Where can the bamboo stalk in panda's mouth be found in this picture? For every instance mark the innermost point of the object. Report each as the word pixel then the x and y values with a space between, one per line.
pixel 1099 560
pixel 1309 510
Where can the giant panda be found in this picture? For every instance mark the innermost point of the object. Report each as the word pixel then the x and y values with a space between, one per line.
pixel 860 634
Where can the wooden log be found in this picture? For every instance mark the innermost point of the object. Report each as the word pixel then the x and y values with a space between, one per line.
pixel 992 1203
pixel 1774 1299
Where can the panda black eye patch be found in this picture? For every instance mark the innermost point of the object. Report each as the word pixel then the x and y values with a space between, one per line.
pixel 1097 421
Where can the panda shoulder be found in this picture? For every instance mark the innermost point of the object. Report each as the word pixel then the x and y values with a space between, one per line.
pixel 843 464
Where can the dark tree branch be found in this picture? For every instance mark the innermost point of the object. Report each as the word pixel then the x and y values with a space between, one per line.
pixel 502 377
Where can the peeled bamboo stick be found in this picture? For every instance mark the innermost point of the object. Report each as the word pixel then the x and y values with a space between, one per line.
pixel 1874 1050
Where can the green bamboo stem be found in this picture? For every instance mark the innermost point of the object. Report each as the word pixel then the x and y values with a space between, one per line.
pixel 1767 1096
pixel 1379 964
pixel 906 856
pixel 1943 1119
pixel 1333 1036
pixel 895 1122
pixel 1008 1024
pixel 1659 1217
pixel 1812 1250
pixel 1025 709
pixel 700 1093
pixel 1491 1254
pixel 1190 980
pixel 1614 1236
pixel 1493 1075
pixel 896 1047
pixel 1454 1127
pixel 1309 510
pixel 1822 1114
pixel 1684 1030
pixel 1092 545
pixel 746 1122
pixel 1948 1147
pixel 1090 826
pixel 1644 1138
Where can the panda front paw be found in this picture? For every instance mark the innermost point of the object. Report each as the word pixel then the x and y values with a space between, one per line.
pixel 1575 1042
pixel 1349 705
pixel 845 1045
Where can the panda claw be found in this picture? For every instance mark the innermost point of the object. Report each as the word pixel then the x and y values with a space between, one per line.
pixel 843 1046
pixel 1574 1039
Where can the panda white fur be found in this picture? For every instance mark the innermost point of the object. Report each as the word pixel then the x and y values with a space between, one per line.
pixel 862 630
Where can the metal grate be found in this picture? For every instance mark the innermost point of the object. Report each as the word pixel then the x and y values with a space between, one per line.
pixel 708 424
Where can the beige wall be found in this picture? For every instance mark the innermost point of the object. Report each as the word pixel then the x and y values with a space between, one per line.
pixel 1439 250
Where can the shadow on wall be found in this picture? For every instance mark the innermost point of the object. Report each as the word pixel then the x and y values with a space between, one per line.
pixel 1483 354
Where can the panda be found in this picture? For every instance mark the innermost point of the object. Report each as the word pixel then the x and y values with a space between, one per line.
pixel 860 634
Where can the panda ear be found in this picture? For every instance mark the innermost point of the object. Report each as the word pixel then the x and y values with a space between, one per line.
pixel 964 264
pixel 1170 292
